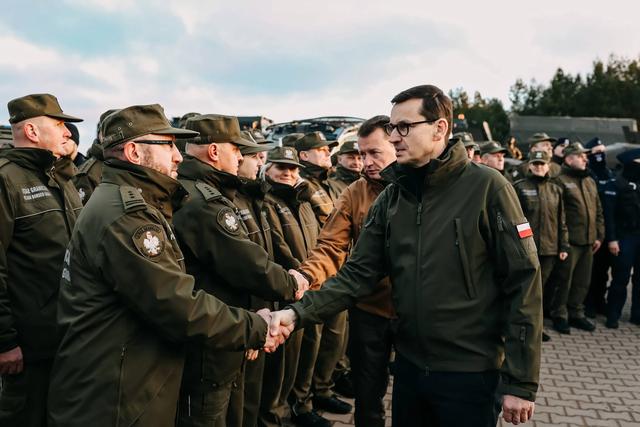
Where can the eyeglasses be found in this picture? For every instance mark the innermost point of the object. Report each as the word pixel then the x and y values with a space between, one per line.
pixel 403 127
pixel 154 142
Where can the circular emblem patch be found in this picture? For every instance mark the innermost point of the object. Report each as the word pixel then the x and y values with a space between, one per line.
pixel 149 240
pixel 229 221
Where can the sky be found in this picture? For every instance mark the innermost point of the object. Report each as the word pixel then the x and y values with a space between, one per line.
pixel 294 59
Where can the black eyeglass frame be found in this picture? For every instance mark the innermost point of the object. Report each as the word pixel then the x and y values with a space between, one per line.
pixel 403 128
pixel 154 142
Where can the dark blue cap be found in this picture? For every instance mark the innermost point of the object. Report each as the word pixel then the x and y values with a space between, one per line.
pixel 628 156
pixel 593 142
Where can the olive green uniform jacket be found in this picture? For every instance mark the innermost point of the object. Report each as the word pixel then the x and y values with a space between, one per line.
pixel 582 204
pixel 224 262
pixel 127 307
pixel 294 228
pixel 541 201
pixel 38 210
pixel 317 191
pixel 466 286
pixel 89 173
pixel 340 180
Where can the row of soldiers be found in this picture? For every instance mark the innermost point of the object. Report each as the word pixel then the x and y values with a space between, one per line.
pixel 575 205
pixel 148 308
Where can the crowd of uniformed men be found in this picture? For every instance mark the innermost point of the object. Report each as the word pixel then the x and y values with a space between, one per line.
pixel 136 285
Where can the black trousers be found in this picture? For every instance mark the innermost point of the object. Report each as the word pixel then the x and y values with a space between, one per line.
pixel 443 399
pixel 602 261
pixel 23 396
pixel 370 348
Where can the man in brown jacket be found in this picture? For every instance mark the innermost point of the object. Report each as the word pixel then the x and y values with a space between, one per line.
pixel 370 320
pixel 586 232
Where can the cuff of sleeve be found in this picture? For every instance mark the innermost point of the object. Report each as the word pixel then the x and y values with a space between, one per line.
pixel 299 310
pixel 260 337
pixel 7 346
pixel 521 391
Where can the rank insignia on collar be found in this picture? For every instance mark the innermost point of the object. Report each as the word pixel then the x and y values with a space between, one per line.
pixel 229 221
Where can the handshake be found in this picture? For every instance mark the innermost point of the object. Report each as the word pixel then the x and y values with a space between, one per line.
pixel 281 323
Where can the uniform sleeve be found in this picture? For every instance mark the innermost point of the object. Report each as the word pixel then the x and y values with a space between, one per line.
pixel 155 288
pixel 518 272
pixel 8 334
pixel 282 251
pixel 609 212
pixel 563 230
pixel 333 243
pixel 599 220
pixel 215 235
pixel 357 278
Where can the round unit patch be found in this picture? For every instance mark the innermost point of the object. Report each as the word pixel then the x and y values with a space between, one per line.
pixel 149 240
pixel 229 221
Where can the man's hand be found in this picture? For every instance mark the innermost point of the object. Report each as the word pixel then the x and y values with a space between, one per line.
pixel 282 323
pixel 516 410
pixel 11 362
pixel 303 283
pixel 596 246
pixel 614 247
pixel 251 355
pixel 563 255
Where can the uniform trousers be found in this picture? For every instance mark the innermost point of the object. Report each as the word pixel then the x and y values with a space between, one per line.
pixel 443 399
pixel 628 259
pixel 573 283
pixel 23 398
pixel 602 262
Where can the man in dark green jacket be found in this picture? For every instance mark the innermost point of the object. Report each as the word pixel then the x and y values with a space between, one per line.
pixel 224 262
pixel 348 170
pixel 126 305
pixel 465 276
pixel 38 209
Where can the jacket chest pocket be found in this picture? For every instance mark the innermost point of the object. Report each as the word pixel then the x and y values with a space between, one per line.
pixel 464 259
pixel 33 202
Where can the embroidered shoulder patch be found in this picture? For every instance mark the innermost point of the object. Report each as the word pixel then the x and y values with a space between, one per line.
pixel 149 240
pixel 229 221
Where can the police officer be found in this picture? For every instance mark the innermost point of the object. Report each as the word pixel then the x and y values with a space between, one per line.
pixel 602 259
pixel 541 201
pixel 586 232
pixel 127 306
pixel 318 356
pixel 224 262
pixel 623 235
pixel 90 173
pixel 348 169
pixel 38 209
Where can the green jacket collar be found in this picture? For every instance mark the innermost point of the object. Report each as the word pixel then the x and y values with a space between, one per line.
pixel 313 171
pixel 437 172
pixel 40 160
pixel 159 190
pixel 577 173
pixel 346 175
pixel 196 170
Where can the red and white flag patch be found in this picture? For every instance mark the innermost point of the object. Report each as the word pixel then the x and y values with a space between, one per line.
pixel 524 230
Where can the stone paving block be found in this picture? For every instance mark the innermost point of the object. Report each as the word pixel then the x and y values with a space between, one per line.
pixel 556 419
pixel 600 423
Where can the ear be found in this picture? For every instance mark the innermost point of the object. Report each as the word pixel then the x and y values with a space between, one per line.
pixel 132 153
pixel 213 153
pixel 31 132
pixel 441 130
pixel 303 155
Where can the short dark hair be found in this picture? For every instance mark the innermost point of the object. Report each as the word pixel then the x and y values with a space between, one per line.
pixel 370 125
pixel 435 104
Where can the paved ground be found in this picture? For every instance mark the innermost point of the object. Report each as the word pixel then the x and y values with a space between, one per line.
pixel 587 379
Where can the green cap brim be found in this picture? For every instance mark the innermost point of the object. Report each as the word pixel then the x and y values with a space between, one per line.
pixel 177 132
pixel 260 148
pixel 65 117
pixel 287 162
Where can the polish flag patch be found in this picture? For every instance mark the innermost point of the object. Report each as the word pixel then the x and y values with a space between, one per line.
pixel 524 230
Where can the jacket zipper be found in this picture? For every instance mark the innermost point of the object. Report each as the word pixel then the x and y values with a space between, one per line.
pixel 122 353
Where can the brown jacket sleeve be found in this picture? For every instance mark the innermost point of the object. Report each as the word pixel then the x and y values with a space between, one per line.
pixel 333 243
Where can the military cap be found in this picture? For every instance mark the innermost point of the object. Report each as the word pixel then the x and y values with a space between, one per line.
pixel 75 134
pixel 539 157
pixel 258 148
pixel 138 120
pixel 473 145
pixel 465 137
pixel 492 147
pixel 183 120
pixel 39 104
pixel 593 142
pixel 217 128
pixel 564 141
pixel 575 148
pixel 313 140
pixel 290 140
pixel 539 137
pixel 349 146
pixel 629 156
pixel 258 137
pixel 286 155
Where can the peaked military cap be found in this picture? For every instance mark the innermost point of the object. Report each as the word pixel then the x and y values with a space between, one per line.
pixel 465 137
pixel 290 140
pixel 492 147
pixel 575 148
pixel 539 157
pixel 39 104
pixel 539 137
pixel 313 140
pixel 138 120
pixel 349 146
pixel 258 148
pixel 217 128
pixel 286 155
